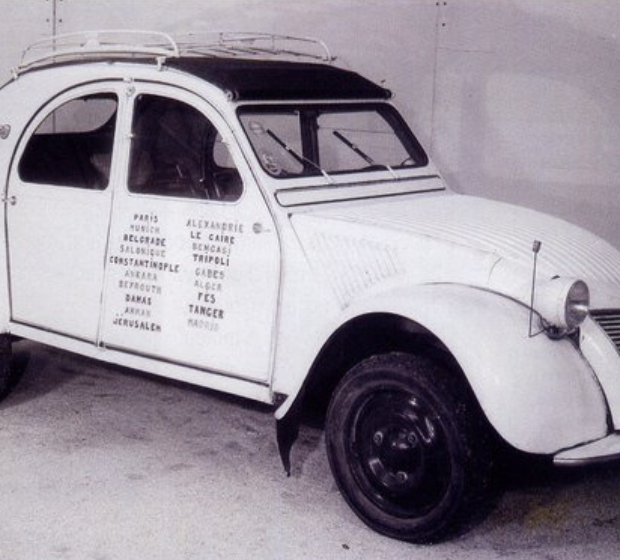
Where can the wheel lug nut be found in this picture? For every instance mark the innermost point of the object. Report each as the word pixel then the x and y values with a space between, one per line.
pixel 412 439
pixel 378 438
pixel 401 476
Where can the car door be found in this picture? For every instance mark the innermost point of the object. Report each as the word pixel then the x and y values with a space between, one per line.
pixel 193 264
pixel 60 193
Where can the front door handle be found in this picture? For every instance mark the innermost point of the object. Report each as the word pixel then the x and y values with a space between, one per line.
pixel 258 227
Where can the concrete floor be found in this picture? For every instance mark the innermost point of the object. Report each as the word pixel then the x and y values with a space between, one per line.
pixel 101 463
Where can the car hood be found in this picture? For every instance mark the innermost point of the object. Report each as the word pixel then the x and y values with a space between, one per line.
pixel 451 238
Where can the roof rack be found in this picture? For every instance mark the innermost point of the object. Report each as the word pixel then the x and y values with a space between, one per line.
pixel 253 44
pixel 103 44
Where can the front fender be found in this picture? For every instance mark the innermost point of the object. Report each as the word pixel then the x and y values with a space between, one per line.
pixel 541 395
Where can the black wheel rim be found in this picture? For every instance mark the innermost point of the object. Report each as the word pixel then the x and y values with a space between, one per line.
pixel 399 453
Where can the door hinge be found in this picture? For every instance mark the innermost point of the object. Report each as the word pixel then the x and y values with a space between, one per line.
pixel 130 89
pixel 10 199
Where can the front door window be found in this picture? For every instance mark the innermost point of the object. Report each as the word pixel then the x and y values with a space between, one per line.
pixel 177 152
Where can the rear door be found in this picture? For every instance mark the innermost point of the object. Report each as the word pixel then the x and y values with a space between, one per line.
pixel 58 216
pixel 193 264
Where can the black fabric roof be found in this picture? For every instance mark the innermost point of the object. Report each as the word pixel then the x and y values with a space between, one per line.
pixel 260 80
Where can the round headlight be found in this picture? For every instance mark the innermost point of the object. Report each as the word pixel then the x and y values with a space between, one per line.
pixel 577 304
pixel 563 303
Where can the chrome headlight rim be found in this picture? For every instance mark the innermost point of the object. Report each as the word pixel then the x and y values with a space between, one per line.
pixel 563 304
pixel 577 306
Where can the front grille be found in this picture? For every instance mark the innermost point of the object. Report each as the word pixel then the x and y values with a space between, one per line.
pixel 609 321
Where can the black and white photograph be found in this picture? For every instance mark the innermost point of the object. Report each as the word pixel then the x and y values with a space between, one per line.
pixel 317 280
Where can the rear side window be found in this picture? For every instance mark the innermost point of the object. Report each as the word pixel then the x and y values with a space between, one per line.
pixel 72 147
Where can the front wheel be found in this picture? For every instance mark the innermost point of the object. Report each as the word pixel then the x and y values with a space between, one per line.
pixel 404 446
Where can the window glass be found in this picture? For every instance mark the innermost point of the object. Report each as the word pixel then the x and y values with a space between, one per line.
pixel 328 139
pixel 72 147
pixel 276 137
pixel 176 151
pixel 358 140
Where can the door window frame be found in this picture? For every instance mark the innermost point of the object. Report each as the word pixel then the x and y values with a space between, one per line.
pixel 106 87
pixel 211 113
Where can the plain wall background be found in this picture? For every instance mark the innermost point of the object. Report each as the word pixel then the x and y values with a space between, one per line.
pixel 517 100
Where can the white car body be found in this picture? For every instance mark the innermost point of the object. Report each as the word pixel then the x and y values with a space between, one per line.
pixel 293 264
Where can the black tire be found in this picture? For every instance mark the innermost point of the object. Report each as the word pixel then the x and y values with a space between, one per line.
pixel 7 379
pixel 406 446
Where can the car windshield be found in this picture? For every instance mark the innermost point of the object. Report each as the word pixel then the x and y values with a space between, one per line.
pixel 305 140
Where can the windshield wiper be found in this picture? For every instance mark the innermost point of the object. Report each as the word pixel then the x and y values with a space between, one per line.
pixel 361 153
pixel 301 159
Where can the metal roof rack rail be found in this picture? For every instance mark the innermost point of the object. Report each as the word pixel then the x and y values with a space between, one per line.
pixel 130 43
pixel 96 45
pixel 253 44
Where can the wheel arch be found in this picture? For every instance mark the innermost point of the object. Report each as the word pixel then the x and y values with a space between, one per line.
pixel 360 338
